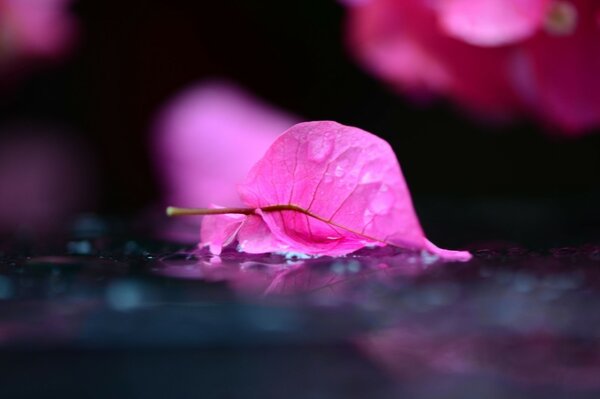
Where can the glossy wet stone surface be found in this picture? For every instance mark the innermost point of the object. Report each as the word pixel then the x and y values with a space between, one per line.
pixel 98 313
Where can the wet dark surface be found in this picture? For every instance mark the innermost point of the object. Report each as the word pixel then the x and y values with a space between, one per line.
pixel 97 313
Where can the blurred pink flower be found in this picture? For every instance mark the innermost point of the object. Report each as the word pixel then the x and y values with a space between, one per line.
pixel 30 29
pixel 206 140
pixel 44 180
pixel 499 57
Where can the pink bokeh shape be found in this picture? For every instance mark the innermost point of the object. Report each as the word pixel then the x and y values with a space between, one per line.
pixel 491 22
pixel 32 29
pixel 499 58
pixel 45 179
pixel 207 138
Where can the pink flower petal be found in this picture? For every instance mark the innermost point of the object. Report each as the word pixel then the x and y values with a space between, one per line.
pixel 218 231
pixel 381 33
pixel 346 189
pixel 34 28
pixel 343 174
pixel 492 22
pixel 565 75
pixel 45 179
pixel 256 238
pixel 501 58
pixel 404 44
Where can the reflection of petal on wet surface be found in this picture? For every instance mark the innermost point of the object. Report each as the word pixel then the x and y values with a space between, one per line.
pixel 509 321
pixel 276 275
pixel 488 319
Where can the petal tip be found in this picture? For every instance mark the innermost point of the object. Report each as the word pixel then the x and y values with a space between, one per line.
pixel 448 255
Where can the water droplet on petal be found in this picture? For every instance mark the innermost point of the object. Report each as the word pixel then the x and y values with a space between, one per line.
pixel 428 258
pixel 382 203
pixel 368 216
pixel 318 150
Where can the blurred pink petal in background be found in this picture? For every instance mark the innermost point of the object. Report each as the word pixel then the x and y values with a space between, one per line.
pixel 206 140
pixel 44 180
pixel 491 22
pixel 502 58
pixel 30 29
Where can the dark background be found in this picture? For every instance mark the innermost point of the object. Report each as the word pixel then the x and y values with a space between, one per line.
pixel 189 338
pixel 134 55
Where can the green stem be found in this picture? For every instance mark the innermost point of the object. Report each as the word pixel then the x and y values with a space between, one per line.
pixel 175 211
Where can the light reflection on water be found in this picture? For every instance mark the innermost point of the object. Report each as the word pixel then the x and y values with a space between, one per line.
pixel 534 323
pixel 523 317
